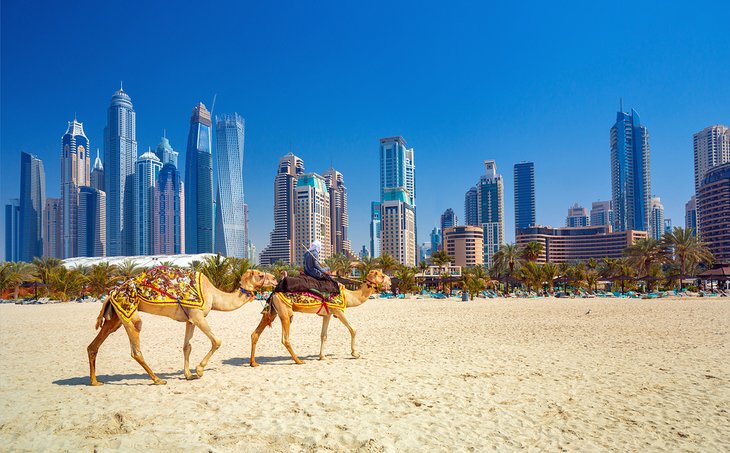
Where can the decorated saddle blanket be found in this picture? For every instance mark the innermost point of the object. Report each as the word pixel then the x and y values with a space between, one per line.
pixel 310 300
pixel 303 283
pixel 162 285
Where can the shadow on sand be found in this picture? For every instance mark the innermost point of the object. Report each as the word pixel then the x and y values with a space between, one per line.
pixel 277 360
pixel 143 379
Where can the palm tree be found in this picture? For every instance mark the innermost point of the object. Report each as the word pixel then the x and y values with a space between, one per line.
pixel 238 267
pixel 549 272
pixel 440 258
pixel 387 263
pixel 127 270
pixel 43 268
pixel 591 277
pixel 101 278
pixel 17 273
pixel 531 275
pixel 195 265
pixel 475 280
pixel 643 253
pixel 531 251
pixel 216 269
pixel 422 266
pixel 365 265
pixel 406 278
pixel 507 257
pixel 686 249
pixel 339 264
pixel 67 283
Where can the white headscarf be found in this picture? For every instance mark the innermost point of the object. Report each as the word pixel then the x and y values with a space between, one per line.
pixel 316 247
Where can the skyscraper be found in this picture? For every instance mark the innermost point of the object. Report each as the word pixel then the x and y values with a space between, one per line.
pixel 120 154
pixel 230 229
pixel 525 212
pixel 490 204
pixel 436 239
pixel 199 184
pixel 338 212
pixel 168 223
pixel 711 148
pixel 311 216
pixel 91 233
pixel 52 245
pixel 713 211
pixel 630 177
pixel 601 213
pixel 12 230
pixel 471 207
pixel 75 167
pixel 32 200
pixel 690 214
pixel 165 152
pixel 97 176
pixel 280 244
pixel 657 218
pixel 375 227
pixel 449 219
pixel 397 171
pixel 398 230
pixel 577 216
pixel 147 171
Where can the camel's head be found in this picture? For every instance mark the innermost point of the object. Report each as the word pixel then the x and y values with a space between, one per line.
pixel 378 280
pixel 255 280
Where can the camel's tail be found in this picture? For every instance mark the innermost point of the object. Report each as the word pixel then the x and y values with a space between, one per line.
pixel 105 313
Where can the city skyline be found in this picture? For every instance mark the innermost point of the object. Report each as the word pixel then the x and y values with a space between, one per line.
pixel 462 134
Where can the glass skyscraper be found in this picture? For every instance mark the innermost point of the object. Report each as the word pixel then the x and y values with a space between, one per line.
pixel 490 200
pixel 32 202
pixel 525 212
pixel 630 177
pixel 199 184
pixel 165 152
pixel 75 168
pixel 471 207
pixel 169 220
pixel 12 230
pixel 120 154
pixel 147 171
pixel 230 219
pixel 338 212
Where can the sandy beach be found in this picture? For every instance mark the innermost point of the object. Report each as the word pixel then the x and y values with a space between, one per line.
pixel 435 375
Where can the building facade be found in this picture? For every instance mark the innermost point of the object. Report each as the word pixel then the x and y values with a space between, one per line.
pixel 436 240
pixel 52 245
pixel 577 216
pixel 199 184
pixel 490 204
pixel 165 152
pixel 713 208
pixel 97 176
pixel 449 219
pixel 398 229
pixel 525 210
pixel 562 245
pixel 471 207
pixel 91 238
pixel 465 244
pixel 657 218
pixel 120 154
pixel 690 214
pixel 711 148
pixel 32 201
pixel 168 223
pixel 375 227
pixel 281 244
pixel 338 212
pixel 147 171
pixel 630 176
pixel 230 237
pixel 601 213
pixel 311 217
pixel 12 230
pixel 75 173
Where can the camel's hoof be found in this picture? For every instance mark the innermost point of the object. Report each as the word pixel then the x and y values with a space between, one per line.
pixel 96 383
pixel 322 357
pixel 191 377
pixel 160 382
pixel 199 371
pixel 254 364
pixel 299 362
pixel 356 355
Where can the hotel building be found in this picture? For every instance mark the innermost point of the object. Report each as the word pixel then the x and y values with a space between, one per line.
pixel 577 216
pixel 311 216
pixel 75 173
pixel 91 238
pixel 199 183
pixel 713 207
pixel 490 210
pixel 465 244
pixel 601 213
pixel 657 218
pixel 52 246
pixel 32 201
pixel 398 227
pixel 690 214
pixel 525 212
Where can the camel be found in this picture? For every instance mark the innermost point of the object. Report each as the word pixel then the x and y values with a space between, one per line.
pixel 374 281
pixel 214 299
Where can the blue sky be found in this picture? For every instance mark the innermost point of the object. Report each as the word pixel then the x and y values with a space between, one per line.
pixel 462 82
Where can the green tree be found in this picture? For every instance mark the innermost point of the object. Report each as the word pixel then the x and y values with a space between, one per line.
pixel 128 269
pixel 685 249
pixel 507 257
pixel 365 265
pixel 17 273
pixel 217 268
pixel 441 258
pixel 531 274
pixel 549 272
pixel 66 283
pixel 643 253
pixel 531 251
pixel 406 279
pixel 101 278
pixel 387 263
pixel 339 264
pixel 475 280
pixel 43 269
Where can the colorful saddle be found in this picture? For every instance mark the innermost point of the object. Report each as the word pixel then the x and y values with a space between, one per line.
pixel 161 285
pixel 309 300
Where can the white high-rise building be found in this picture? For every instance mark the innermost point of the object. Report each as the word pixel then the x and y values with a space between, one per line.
pixel 398 227
pixel 657 218
pixel 311 216
pixel 577 216
pixel 601 213
pixel 338 212
pixel 75 173
pixel 690 214
pixel 711 148
pixel 490 209
pixel 147 171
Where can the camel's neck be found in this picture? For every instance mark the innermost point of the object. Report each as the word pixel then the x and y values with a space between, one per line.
pixel 223 301
pixel 359 296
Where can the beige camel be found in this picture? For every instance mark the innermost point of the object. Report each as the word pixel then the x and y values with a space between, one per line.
pixel 215 299
pixel 374 281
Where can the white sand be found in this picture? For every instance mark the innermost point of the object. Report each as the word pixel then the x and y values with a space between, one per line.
pixel 501 375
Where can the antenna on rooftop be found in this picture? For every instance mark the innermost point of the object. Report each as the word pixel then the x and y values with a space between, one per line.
pixel 621 104
pixel 212 106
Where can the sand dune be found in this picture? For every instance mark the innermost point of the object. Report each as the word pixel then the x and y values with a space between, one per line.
pixel 502 375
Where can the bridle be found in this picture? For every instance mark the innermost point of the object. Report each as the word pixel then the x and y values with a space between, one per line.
pixel 372 285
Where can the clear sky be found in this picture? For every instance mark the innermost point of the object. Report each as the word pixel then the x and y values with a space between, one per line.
pixel 462 82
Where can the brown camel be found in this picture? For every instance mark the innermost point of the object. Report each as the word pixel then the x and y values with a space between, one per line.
pixel 214 299
pixel 374 281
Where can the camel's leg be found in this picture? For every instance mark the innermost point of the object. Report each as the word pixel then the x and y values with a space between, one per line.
pixel 266 320
pixel 323 336
pixel 285 324
pixel 133 329
pixel 341 317
pixel 189 331
pixel 110 326
pixel 198 318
